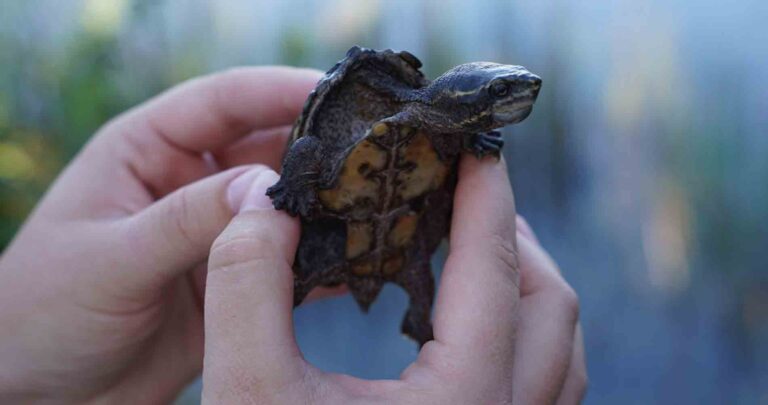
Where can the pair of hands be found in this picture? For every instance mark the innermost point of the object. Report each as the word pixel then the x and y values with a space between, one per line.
pixel 102 291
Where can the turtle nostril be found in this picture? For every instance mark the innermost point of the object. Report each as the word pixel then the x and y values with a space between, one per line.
pixel 532 79
pixel 528 79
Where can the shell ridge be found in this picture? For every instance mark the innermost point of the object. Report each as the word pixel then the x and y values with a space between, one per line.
pixel 355 59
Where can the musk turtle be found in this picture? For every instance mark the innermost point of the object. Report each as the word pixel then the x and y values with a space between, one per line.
pixel 371 168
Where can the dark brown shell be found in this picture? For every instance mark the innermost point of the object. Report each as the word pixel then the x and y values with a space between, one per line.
pixel 400 67
pixel 383 194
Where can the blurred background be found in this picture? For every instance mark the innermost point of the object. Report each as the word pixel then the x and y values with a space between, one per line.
pixel 643 168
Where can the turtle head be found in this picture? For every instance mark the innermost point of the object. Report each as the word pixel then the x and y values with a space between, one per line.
pixel 482 96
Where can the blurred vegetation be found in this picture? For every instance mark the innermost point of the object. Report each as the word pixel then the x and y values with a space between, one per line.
pixel 52 102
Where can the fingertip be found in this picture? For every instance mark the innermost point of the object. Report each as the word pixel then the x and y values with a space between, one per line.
pixel 256 198
pixel 239 187
pixel 484 204
pixel 248 192
pixel 486 175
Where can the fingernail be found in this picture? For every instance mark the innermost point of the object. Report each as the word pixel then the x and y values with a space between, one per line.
pixel 239 187
pixel 256 198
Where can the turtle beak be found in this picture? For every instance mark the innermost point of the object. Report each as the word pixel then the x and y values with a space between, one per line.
pixel 526 85
pixel 519 104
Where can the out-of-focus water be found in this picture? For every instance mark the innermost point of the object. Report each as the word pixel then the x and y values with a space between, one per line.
pixel 644 166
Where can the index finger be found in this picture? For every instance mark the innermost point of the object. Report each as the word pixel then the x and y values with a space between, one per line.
pixel 162 142
pixel 212 111
pixel 249 340
pixel 476 310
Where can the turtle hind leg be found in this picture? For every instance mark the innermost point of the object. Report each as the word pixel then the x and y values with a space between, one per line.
pixel 418 282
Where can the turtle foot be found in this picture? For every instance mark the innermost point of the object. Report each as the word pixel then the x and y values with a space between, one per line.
pixel 487 143
pixel 294 202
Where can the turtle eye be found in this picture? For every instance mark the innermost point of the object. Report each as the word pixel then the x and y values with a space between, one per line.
pixel 499 89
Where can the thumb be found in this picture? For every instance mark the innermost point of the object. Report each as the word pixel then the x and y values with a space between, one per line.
pixel 248 298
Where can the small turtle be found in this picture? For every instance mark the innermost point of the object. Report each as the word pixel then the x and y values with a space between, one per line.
pixel 371 169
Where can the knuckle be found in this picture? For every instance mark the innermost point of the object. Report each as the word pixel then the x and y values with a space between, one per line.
pixel 504 252
pixel 183 223
pixel 219 88
pixel 229 80
pixel 225 79
pixel 117 139
pixel 568 300
pixel 235 246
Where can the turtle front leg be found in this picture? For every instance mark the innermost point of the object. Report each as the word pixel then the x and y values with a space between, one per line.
pixel 484 143
pixel 296 192
pixel 418 282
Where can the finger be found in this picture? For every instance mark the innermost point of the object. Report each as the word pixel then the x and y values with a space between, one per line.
pixel 249 299
pixel 175 234
pixel 212 111
pixel 525 229
pixel 476 310
pixel 576 382
pixel 548 316
pixel 200 273
pixel 265 147
pixel 172 235
pixel 162 140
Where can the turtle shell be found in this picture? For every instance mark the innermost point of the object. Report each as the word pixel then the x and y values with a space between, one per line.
pixel 342 107
pixel 383 194
pixel 379 191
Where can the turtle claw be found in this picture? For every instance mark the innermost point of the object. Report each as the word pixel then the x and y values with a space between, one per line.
pixel 487 143
pixel 302 202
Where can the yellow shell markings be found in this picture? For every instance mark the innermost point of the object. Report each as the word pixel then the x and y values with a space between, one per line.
pixel 362 269
pixel 359 238
pixel 380 129
pixel 393 264
pixel 371 250
pixel 352 183
pixel 403 229
pixel 429 173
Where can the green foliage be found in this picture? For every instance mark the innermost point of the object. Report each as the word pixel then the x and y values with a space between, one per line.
pixel 49 108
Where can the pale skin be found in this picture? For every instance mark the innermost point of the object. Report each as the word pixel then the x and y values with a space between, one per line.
pixel 161 219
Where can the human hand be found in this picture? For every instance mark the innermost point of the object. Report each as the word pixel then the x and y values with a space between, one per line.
pixel 98 297
pixel 499 338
